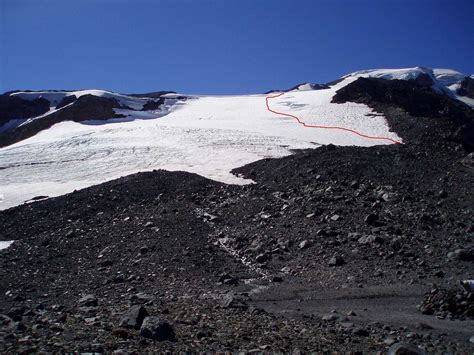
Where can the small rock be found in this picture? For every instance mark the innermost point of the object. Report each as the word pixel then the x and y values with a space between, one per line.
pixel 141 298
pixel 461 254
pixel 4 320
pixel 17 326
pixel 134 317
pixel 443 194
pixel 261 258
pixel 369 239
pixel 304 244
pixel 105 262
pixel 335 217
pixel 423 326
pixel 347 324
pixel 119 279
pixel 229 300
pixel 227 279
pixel 371 219
pixel 360 332
pixel 277 278
pixel 157 329
pixel 336 261
pixel 88 301
pixel 332 317
pixel 404 349
pixel 16 313
pixel 389 341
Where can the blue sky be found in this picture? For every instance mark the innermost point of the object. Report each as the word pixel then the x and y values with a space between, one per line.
pixel 223 46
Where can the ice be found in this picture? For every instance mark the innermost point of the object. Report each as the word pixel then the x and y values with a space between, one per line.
pixel 207 135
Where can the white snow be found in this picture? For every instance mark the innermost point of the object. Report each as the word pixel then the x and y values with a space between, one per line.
pixel 305 87
pixel 448 77
pixel 207 135
pixel 391 74
pixel 5 244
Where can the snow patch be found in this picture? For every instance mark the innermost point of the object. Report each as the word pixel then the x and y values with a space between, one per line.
pixel 206 135
pixel 5 244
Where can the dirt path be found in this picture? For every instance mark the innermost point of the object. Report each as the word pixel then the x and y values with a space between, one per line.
pixel 392 305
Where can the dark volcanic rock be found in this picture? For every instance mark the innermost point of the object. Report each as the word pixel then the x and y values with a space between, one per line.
pixel 230 300
pixel 336 261
pixel 371 219
pixel 227 279
pixel 66 101
pixel 87 107
pixel 134 317
pixel 417 100
pixel 88 301
pixel 153 105
pixel 157 329
pixel 360 332
pixel 462 254
pixel 173 234
pixel 141 298
pixel 12 107
pixel 404 349
pixel 467 88
pixel 454 303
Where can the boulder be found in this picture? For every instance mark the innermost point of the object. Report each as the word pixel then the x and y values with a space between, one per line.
pixel 336 261
pixel 134 317
pixel 404 349
pixel 157 329
pixel 88 301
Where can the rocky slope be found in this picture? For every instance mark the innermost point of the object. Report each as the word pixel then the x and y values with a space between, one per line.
pixel 337 248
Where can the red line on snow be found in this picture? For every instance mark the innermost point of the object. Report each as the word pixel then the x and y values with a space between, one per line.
pixel 301 122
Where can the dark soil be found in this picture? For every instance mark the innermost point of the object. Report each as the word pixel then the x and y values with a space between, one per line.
pixel 331 249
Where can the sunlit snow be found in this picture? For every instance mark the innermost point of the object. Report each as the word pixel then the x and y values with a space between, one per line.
pixel 5 244
pixel 207 135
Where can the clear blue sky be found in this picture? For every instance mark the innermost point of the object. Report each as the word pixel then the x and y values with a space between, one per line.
pixel 223 46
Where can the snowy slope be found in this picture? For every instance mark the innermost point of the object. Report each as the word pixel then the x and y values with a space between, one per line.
pixel 208 135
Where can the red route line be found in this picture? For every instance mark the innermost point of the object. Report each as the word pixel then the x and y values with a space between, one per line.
pixel 301 122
